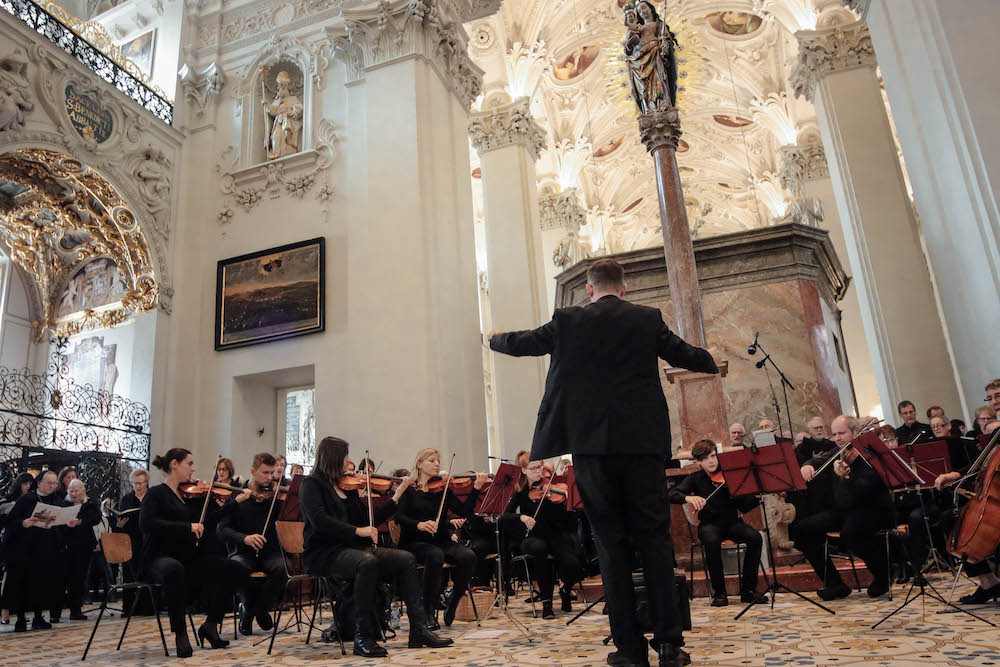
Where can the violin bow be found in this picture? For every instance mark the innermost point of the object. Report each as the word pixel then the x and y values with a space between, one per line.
pixel 871 425
pixel 545 494
pixel 208 498
pixel 444 494
pixel 368 489
pixel 270 510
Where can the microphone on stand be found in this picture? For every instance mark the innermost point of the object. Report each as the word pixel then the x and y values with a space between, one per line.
pixel 752 350
pixel 497 458
pixel 760 364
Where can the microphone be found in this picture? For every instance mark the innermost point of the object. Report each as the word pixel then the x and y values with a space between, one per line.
pixel 760 364
pixel 497 458
pixel 752 350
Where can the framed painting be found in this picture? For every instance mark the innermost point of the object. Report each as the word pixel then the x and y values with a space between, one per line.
pixel 140 51
pixel 270 295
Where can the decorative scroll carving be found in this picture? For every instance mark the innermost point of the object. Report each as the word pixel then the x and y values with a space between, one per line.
pixel 561 209
pixel 660 129
pixel 15 93
pixel 801 164
pixel 201 88
pixel 507 125
pixel 830 50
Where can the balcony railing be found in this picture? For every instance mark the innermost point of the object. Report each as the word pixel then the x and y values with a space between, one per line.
pixel 113 70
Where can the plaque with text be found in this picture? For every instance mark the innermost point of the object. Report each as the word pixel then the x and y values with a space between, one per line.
pixel 91 119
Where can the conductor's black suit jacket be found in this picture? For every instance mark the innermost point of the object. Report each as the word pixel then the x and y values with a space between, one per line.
pixel 603 393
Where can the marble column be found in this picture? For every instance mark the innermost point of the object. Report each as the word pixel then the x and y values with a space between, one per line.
pixel 509 142
pixel 805 174
pixel 938 62
pixel 702 402
pixel 906 339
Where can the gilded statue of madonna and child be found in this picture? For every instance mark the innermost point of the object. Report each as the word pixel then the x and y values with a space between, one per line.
pixel 650 57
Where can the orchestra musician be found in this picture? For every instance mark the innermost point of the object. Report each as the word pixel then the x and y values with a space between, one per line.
pixel 718 515
pixel 604 404
pixel 910 428
pixel 171 556
pixel 434 541
pixel 549 527
pixel 253 545
pixel 340 541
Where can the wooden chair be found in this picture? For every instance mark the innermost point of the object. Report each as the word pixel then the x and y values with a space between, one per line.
pixel 117 549
pixel 292 543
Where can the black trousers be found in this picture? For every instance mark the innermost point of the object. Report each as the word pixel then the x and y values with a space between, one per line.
pixel 563 549
pixel 261 596
pixel 483 546
pixel 433 557
pixel 214 576
pixel 75 581
pixel 33 583
pixel 626 502
pixel 712 535
pixel 366 566
pixel 858 530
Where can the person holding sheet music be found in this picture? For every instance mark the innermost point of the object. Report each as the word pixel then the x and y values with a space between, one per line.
pixel 548 530
pixel 79 542
pixel 719 519
pixel 241 529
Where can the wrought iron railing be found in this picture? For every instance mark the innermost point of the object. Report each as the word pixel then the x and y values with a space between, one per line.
pixel 102 64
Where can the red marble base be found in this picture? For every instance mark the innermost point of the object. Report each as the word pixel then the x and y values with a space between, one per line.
pixel 702 405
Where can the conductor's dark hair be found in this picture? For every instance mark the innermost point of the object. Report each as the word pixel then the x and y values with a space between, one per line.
pixel 606 274
pixel 173 454
pixel 701 449
pixel 905 404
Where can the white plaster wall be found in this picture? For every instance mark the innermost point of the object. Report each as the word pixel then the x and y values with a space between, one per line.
pixel 15 329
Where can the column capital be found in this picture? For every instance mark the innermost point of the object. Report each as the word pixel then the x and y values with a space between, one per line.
pixel 660 129
pixel 560 210
pixel 802 163
pixel 829 50
pixel 504 125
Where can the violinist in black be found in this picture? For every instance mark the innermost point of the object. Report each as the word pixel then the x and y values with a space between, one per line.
pixel 434 542
pixel 549 531
pixel 256 549
pixel 341 541
pixel 718 515
pixel 171 530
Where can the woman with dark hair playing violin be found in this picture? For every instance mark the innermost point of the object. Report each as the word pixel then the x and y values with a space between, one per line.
pixel 428 535
pixel 340 541
pixel 171 555
pixel 247 528
pixel 549 530
pixel 718 515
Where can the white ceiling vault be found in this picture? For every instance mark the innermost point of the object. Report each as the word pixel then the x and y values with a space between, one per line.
pixel 737 107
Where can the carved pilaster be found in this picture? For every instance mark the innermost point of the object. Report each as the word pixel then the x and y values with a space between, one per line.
pixel 201 88
pixel 429 28
pixel 561 210
pixel 822 52
pixel 506 125
pixel 660 129
pixel 801 164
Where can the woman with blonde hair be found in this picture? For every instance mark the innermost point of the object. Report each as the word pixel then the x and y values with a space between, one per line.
pixel 435 542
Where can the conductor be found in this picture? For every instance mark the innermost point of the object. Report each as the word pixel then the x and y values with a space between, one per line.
pixel 604 404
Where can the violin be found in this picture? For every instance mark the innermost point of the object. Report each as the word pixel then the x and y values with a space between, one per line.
pixel 556 493
pixel 357 481
pixel 717 477
pixel 267 494
pixel 199 489
pixel 460 483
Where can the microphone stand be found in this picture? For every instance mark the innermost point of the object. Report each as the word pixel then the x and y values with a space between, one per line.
pixel 785 385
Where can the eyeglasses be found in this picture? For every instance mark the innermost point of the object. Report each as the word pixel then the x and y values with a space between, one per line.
pixel 992 397
pixel 536 467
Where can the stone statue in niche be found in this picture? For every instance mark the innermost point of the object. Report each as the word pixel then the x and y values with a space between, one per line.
pixel 283 118
pixel 650 58
pixel 15 94
pixel 569 251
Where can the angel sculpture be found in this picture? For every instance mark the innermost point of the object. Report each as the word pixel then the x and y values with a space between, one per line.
pixel 649 55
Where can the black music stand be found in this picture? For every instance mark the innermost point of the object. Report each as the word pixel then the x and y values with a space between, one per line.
pixel 759 471
pixel 494 503
pixel 929 460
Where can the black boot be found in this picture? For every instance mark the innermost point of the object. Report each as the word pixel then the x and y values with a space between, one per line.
pixel 450 607
pixel 364 643
pixel 547 612
pixel 246 620
pixel 184 649
pixel 210 633
pixel 566 597
pixel 421 634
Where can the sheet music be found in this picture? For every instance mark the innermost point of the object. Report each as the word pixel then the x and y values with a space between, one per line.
pixel 51 516
pixel 764 438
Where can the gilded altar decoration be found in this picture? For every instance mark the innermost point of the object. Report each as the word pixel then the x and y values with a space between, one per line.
pixel 63 217
pixel 284 119
pixel 91 119
pixel 650 57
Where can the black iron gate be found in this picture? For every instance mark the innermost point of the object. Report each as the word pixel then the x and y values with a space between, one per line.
pixel 49 421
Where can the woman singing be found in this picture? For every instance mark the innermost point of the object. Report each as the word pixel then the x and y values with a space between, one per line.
pixel 340 542
pixel 549 531
pixel 434 542
pixel 170 557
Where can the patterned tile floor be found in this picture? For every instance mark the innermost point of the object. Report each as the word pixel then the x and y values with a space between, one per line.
pixel 794 633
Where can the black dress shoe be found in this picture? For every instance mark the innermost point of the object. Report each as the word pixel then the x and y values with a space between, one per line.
pixel 673 656
pixel 422 636
pixel 547 611
pixel 450 607
pixel 21 625
pixel 433 624
pixel 566 598
pixel 720 600
pixel 878 588
pixel 77 616
pixel 208 632
pixel 264 620
pixel 754 597
pixel 183 645
pixel 834 592
pixel 39 623
pixel 981 596
pixel 364 643
pixel 621 659
pixel 55 618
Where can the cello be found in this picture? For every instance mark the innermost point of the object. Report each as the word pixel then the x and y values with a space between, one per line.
pixel 976 534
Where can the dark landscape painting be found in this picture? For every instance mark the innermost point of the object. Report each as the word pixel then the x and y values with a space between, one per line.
pixel 270 295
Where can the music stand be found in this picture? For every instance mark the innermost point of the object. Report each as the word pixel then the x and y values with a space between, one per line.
pixel 494 504
pixel 929 460
pixel 759 471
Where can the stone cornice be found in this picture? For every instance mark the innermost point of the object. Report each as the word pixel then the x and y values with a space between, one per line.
pixel 822 52
pixel 561 210
pixel 507 125
pixel 757 257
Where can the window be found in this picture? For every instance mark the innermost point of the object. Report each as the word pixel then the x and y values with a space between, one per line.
pixel 297 407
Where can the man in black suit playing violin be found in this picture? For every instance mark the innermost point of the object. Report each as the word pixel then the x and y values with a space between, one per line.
pixel 604 404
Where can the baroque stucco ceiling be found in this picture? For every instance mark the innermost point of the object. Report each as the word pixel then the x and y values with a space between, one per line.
pixel 737 107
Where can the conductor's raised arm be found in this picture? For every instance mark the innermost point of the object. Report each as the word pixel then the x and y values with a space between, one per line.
pixel 680 354
pixel 533 343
